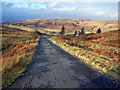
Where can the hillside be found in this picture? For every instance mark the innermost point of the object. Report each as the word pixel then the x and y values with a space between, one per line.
pixel 18 46
pixel 70 24
pixel 100 51
pixel 19 40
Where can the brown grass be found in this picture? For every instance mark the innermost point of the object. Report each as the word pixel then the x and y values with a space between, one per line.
pixel 18 46
pixel 98 50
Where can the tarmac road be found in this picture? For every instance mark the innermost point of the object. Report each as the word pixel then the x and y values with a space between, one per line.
pixel 52 67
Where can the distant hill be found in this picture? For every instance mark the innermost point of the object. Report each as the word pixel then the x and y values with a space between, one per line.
pixel 70 24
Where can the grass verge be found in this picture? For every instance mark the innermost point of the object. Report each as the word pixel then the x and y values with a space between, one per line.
pixel 102 63
pixel 18 47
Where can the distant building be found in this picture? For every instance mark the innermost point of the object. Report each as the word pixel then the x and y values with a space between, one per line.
pixel 77 35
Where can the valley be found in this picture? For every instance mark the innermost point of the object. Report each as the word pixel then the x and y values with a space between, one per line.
pixel 26 39
pixel 53 26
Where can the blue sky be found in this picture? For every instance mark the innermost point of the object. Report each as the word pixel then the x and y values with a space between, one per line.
pixel 20 11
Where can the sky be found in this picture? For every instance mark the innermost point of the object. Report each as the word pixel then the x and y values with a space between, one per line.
pixel 21 11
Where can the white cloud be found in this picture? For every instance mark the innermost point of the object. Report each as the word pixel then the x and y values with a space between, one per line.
pixel 64 9
pixel 100 13
pixel 13 6
pixel 114 15
pixel 53 4
pixel 71 9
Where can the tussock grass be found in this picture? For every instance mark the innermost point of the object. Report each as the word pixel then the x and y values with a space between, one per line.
pixel 103 60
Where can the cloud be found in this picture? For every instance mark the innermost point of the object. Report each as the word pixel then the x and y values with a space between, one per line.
pixel 114 15
pixel 100 13
pixel 53 4
pixel 72 9
pixel 62 0
pixel 23 10
pixel 64 9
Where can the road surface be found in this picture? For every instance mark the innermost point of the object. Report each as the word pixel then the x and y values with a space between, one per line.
pixel 52 67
